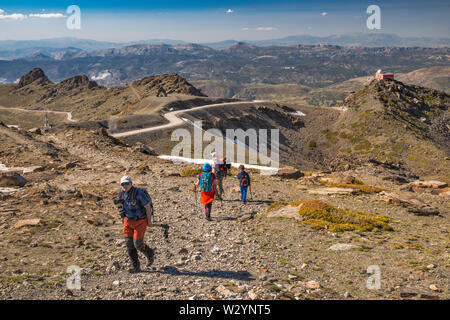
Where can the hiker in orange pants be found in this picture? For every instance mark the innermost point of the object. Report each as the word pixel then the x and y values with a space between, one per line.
pixel 207 181
pixel 138 211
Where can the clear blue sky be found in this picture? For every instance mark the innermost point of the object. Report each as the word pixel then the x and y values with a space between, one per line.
pixel 204 21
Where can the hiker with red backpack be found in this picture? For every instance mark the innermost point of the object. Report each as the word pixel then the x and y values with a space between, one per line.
pixel 207 182
pixel 244 183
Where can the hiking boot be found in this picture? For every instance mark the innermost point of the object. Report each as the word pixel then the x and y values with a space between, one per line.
pixel 150 254
pixel 133 254
pixel 208 217
pixel 135 268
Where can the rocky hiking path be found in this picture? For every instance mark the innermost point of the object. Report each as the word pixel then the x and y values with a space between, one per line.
pixel 198 256
pixel 64 216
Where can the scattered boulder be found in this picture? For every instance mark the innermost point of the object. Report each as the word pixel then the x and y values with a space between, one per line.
pixel 289 173
pixel 246 217
pixel 225 291
pixel 252 295
pixel 12 179
pixel 87 195
pixel 94 221
pixel 113 267
pixel 35 131
pixel 444 192
pixel 342 247
pixel 312 284
pixel 33 169
pixel 339 177
pixel 286 212
pixel 309 181
pixel 27 222
pixel 101 132
pixel 171 174
pixel 140 147
pixel 7 190
pixel 71 165
pixel 429 184
pixel 413 205
pixel 331 191
pixel 434 288
pixel 424 211
pixel 396 179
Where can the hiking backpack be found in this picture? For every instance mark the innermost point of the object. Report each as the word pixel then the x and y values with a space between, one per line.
pixel 223 169
pixel 245 180
pixel 206 182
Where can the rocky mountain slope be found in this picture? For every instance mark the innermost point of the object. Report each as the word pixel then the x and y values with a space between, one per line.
pixel 64 216
pixel 87 100
pixel 327 96
pixel 394 122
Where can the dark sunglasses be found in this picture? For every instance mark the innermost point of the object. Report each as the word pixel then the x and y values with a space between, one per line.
pixel 125 184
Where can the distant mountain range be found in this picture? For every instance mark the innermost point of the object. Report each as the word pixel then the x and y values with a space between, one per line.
pixel 241 63
pixel 15 49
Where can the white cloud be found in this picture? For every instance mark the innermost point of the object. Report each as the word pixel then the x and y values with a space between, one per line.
pixel 260 29
pixel 47 15
pixel 324 13
pixel 266 28
pixel 230 11
pixel 14 16
pixel 20 16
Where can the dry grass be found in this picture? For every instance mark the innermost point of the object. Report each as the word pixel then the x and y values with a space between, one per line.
pixel 191 172
pixel 321 215
pixel 358 186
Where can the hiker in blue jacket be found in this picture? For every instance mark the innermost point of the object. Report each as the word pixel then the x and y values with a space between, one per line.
pixel 244 183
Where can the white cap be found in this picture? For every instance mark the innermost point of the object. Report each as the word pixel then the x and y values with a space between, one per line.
pixel 125 179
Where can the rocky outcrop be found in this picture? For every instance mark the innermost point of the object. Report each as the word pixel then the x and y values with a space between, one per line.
pixel 35 76
pixel 80 81
pixel 167 83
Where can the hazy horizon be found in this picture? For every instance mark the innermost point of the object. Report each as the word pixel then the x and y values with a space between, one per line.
pixel 199 21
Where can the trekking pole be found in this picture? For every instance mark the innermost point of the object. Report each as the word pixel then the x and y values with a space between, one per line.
pixel 195 198
pixel 164 226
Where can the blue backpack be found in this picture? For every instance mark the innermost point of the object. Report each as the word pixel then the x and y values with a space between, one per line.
pixel 206 180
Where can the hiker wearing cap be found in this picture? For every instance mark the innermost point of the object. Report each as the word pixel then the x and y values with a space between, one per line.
pixel 217 167
pixel 244 182
pixel 138 214
pixel 207 182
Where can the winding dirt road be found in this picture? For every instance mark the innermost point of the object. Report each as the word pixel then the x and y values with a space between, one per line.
pixel 172 117
pixel 69 114
pixel 175 121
